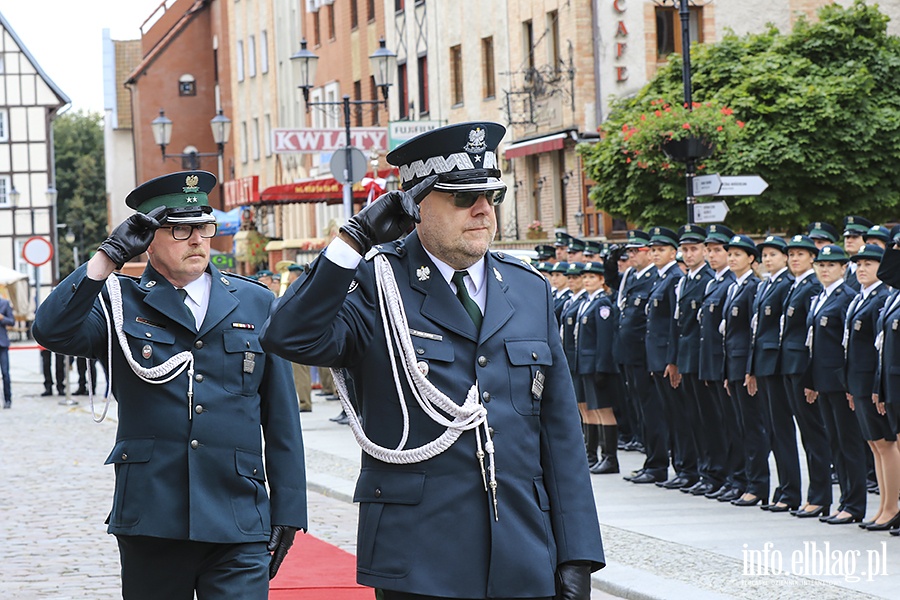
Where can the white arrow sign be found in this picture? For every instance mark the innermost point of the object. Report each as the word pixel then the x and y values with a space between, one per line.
pixel 707 185
pixel 710 212
pixel 742 185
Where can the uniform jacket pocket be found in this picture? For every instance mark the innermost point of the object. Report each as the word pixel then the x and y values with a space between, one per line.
pixel 528 361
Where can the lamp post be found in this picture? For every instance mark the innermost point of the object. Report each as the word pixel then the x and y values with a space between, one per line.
pixel 383 64
pixel 162 135
pixel 579 220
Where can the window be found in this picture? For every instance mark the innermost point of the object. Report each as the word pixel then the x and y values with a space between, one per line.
pixel 187 86
pixel 553 39
pixel 264 52
pixel 239 59
pixel 354 15
pixel 528 42
pixel 399 5
pixel 267 140
pixel 370 10
pixel 456 76
pixel 251 56
pixel 423 85
pixel 331 27
pixel 373 93
pixel 488 85
pixel 254 141
pixel 357 95
pixel 317 29
pixel 668 30
pixel 243 141
pixel 4 125
pixel 5 188
pixel 403 91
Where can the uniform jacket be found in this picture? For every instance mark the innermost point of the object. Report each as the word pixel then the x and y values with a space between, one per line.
pixel 568 319
pixel 190 474
pixel 712 353
pixel 661 341
pixel 633 318
pixel 546 507
pixel 887 374
pixel 794 353
pixel 860 331
pixel 559 302
pixel 850 279
pixel 825 372
pixel 597 326
pixel 6 320
pixel 767 308
pixel 690 292
pixel 736 313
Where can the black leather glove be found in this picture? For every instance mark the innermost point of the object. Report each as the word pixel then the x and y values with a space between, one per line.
pixel 280 542
pixel 573 581
pixel 389 217
pixel 132 237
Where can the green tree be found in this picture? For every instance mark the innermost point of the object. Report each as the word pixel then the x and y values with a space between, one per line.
pixel 81 182
pixel 822 111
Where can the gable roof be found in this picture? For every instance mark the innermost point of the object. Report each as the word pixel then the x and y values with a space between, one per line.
pixel 63 99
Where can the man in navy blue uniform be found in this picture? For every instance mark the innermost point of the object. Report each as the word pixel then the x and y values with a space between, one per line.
pixel 475 337
pixel 190 511
pixel 701 409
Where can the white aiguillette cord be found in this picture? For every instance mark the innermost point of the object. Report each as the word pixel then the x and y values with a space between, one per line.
pixel 170 369
pixel 471 415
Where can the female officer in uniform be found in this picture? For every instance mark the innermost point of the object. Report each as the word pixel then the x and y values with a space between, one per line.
pixel 862 360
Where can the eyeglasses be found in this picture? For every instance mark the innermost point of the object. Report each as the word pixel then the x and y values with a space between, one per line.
pixel 468 199
pixel 184 232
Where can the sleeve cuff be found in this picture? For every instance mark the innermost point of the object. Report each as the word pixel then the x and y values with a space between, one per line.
pixel 342 254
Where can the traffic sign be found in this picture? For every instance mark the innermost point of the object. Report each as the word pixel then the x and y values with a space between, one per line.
pixel 710 212
pixel 339 165
pixel 742 185
pixel 37 251
pixel 707 185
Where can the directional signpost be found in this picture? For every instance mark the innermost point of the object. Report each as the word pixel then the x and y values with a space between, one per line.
pixel 744 185
pixel 710 212
pixel 707 185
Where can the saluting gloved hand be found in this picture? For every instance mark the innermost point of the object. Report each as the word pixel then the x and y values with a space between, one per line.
pixel 132 237
pixel 389 217
pixel 573 581
pixel 280 542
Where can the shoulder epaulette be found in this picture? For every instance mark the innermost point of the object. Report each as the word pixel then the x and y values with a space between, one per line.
pixel 396 248
pixel 515 260
pixel 230 275
pixel 135 278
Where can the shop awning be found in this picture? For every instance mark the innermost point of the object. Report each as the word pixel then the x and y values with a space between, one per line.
pixel 545 143
pixel 321 189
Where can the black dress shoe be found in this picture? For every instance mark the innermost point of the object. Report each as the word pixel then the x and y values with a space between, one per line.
pixel 701 489
pixel 732 494
pixel 742 502
pixel 80 392
pixel 844 520
pixel 780 508
pixel 895 532
pixel 47 393
pixel 340 417
pixel 819 512
pixel 892 524
pixel 647 477
pixel 609 464
pixel 691 488
pixel 632 475
pixel 714 494
pixel 672 484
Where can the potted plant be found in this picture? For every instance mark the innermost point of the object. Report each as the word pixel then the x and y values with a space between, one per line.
pixel 535 231
pixel 672 132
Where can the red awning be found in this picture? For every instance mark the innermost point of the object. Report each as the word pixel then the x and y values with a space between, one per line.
pixel 542 144
pixel 323 189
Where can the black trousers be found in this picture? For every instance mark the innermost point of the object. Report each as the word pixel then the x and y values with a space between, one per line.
pixel 684 451
pixel 736 476
pixel 46 357
pixel 154 568
pixel 783 440
pixel 814 440
pixel 846 450
pixel 706 429
pixel 752 414
pixel 655 436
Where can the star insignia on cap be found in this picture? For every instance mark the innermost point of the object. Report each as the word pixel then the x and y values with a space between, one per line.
pixel 423 273
pixel 191 199
pixel 476 158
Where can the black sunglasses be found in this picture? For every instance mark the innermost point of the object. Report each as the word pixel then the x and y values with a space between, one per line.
pixel 468 199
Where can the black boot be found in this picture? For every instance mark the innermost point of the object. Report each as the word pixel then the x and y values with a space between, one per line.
pixel 610 462
pixel 591 443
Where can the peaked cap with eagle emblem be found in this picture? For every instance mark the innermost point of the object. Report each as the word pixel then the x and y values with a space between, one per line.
pixel 184 194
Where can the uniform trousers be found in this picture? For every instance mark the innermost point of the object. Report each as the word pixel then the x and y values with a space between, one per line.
pixel 154 568
pixel 782 439
pixel 684 451
pixel 736 476
pixel 846 450
pixel 752 415
pixel 706 427
pixel 623 411
pixel 634 407
pixel 814 440
pixel 46 357
pixel 653 421
pixel 303 385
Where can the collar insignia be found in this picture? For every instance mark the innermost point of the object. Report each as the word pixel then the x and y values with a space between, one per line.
pixel 423 273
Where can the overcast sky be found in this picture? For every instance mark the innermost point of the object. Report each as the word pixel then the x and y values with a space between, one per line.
pixel 65 37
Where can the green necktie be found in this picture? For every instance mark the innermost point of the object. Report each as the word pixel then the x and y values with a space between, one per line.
pixel 463 294
pixel 183 293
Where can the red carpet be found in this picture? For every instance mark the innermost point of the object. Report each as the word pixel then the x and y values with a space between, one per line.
pixel 316 570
